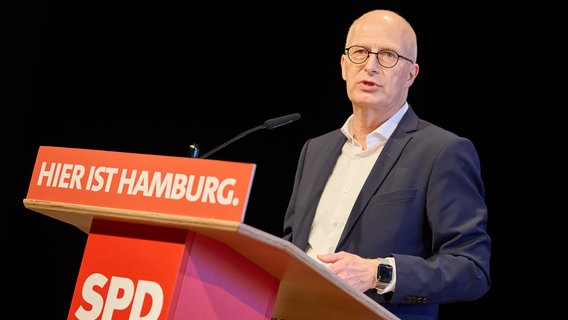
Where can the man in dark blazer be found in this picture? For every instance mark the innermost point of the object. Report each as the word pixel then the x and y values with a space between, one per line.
pixel 392 204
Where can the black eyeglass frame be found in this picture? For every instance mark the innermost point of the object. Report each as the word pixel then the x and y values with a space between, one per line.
pixel 377 53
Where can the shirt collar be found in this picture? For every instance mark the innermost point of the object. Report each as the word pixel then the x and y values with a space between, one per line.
pixel 383 132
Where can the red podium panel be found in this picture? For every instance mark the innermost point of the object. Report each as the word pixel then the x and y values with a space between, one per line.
pixel 166 241
pixel 134 271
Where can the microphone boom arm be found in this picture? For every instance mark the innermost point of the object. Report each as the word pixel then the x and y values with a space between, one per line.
pixel 237 137
pixel 268 124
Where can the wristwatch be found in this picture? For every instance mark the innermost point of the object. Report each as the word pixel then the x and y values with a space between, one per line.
pixel 384 274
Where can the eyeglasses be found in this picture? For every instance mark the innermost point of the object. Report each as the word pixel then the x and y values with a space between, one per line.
pixel 386 57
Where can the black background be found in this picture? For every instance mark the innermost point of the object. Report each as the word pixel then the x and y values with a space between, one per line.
pixel 153 78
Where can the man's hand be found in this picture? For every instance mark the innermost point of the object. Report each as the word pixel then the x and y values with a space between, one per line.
pixel 358 272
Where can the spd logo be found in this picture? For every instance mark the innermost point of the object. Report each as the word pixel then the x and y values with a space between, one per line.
pixel 144 298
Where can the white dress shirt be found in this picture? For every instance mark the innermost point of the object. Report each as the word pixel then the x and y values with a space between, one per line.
pixel 345 183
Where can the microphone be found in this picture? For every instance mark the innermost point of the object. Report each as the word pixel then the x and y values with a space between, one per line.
pixel 268 124
pixel 280 121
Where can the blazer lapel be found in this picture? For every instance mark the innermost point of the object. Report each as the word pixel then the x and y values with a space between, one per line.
pixel 321 156
pixel 387 159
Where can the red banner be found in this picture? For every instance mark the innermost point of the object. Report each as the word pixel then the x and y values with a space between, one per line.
pixel 200 188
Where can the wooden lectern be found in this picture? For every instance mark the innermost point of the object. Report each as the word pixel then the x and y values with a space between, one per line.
pixel 166 241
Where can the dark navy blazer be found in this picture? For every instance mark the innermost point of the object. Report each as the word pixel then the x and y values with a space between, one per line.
pixel 423 204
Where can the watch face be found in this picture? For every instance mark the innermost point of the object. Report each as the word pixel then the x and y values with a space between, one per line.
pixel 385 273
